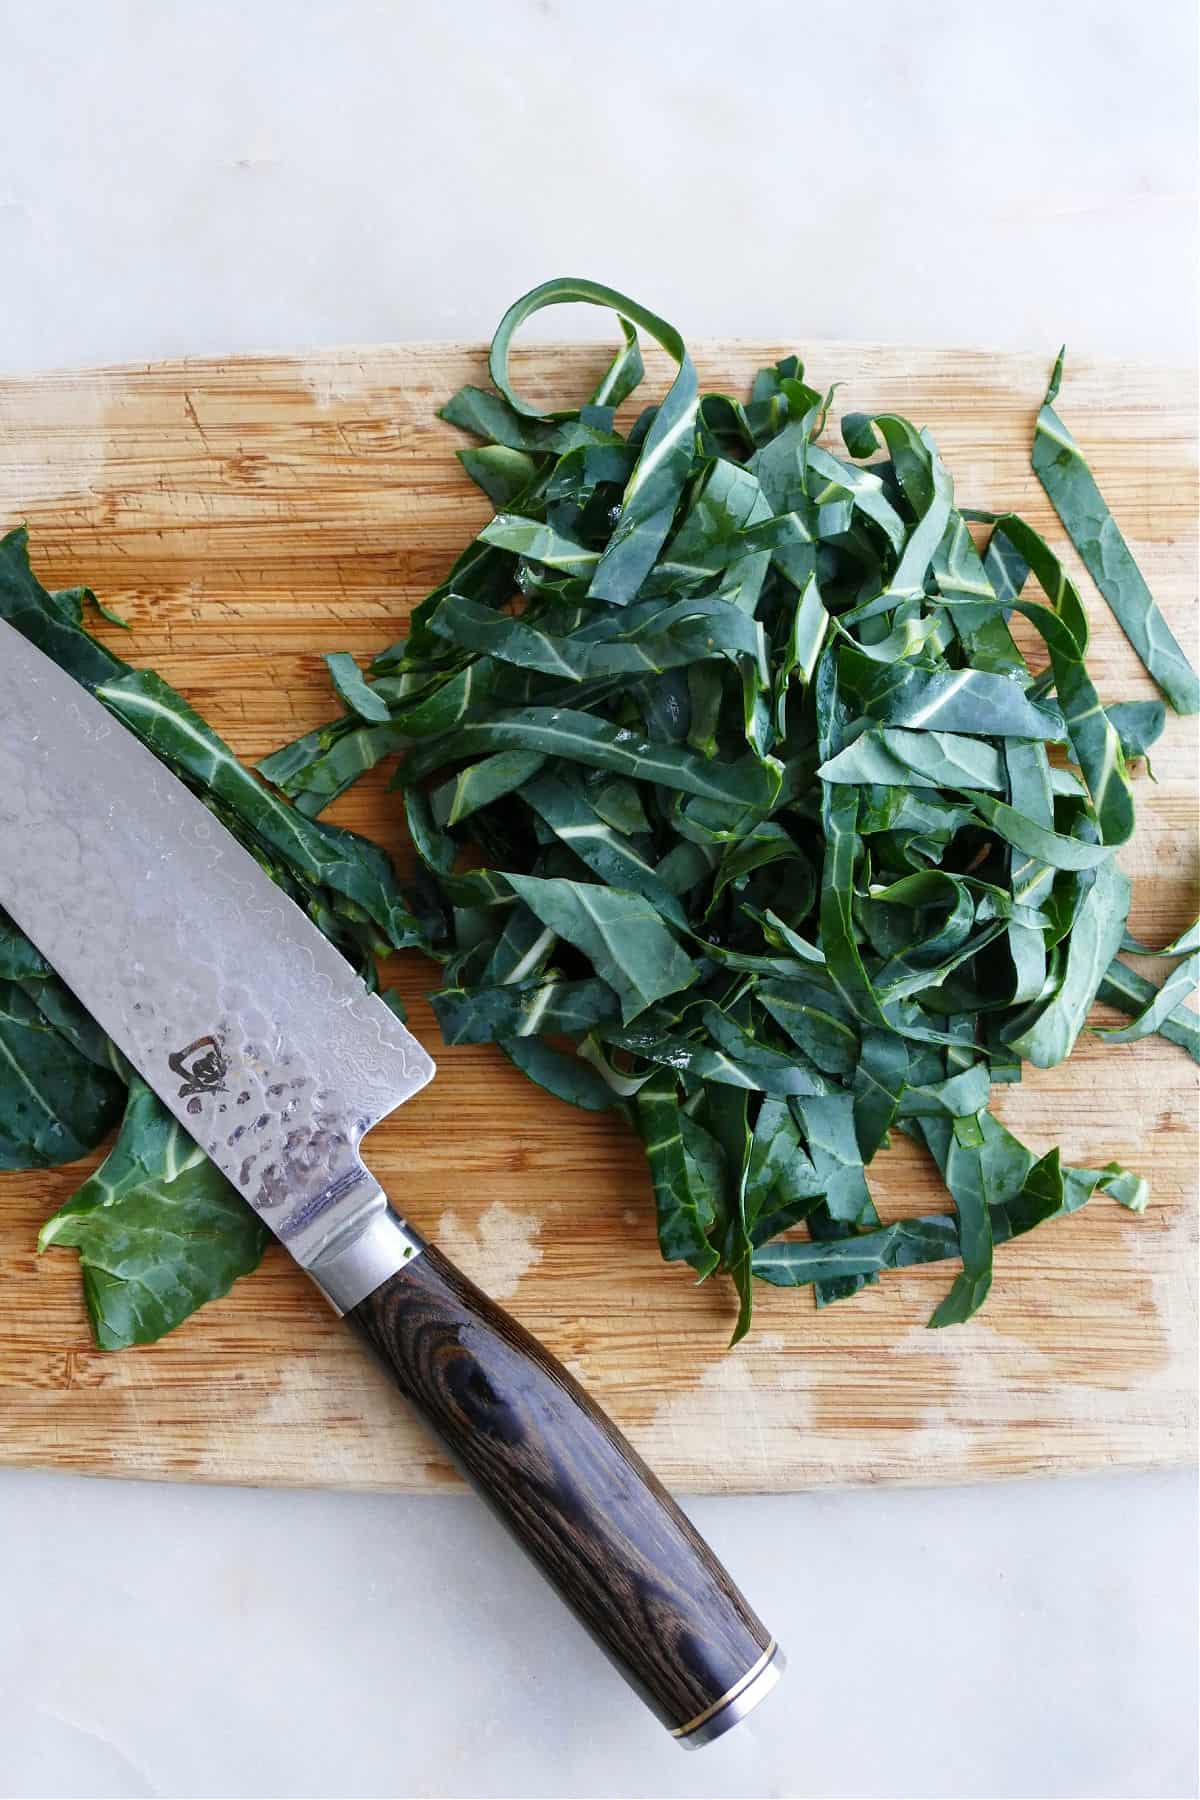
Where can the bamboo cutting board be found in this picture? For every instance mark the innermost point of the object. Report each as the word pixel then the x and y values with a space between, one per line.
pixel 248 515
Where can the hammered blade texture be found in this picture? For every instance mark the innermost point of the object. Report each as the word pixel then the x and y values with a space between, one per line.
pixel 221 992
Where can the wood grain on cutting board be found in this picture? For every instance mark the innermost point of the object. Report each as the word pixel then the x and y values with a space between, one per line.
pixel 248 515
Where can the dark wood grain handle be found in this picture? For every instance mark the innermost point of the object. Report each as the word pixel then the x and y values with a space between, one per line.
pixel 575 1495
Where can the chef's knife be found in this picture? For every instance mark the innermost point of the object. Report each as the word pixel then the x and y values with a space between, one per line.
pixel 270 1051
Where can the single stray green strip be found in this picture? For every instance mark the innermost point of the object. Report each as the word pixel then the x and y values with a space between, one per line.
pixel 1060 467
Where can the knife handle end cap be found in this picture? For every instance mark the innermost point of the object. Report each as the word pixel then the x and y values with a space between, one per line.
pixel 755 1685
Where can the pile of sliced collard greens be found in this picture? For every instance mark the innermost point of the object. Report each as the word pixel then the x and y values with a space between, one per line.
pixel 738 808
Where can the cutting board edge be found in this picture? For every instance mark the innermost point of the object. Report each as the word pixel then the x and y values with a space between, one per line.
pixel 1184 1456
pixel 700 348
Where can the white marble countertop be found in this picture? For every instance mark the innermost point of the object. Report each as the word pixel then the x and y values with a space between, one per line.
pixel 185 177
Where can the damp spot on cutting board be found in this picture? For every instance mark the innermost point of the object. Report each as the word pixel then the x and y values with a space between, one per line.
pixel 498 1251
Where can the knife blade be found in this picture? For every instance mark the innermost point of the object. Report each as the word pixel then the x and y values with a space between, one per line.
pixel 240 1014
pixel 271 1052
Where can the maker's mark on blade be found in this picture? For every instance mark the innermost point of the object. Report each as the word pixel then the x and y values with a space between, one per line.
pixel 203 1068
pixel 286 1125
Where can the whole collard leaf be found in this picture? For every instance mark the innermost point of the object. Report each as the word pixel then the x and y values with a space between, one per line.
pixel 158 1229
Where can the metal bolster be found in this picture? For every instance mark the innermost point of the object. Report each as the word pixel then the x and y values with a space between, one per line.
pixel 372 1244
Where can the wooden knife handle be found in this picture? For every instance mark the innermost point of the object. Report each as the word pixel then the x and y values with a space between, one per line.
pixel 576 1496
